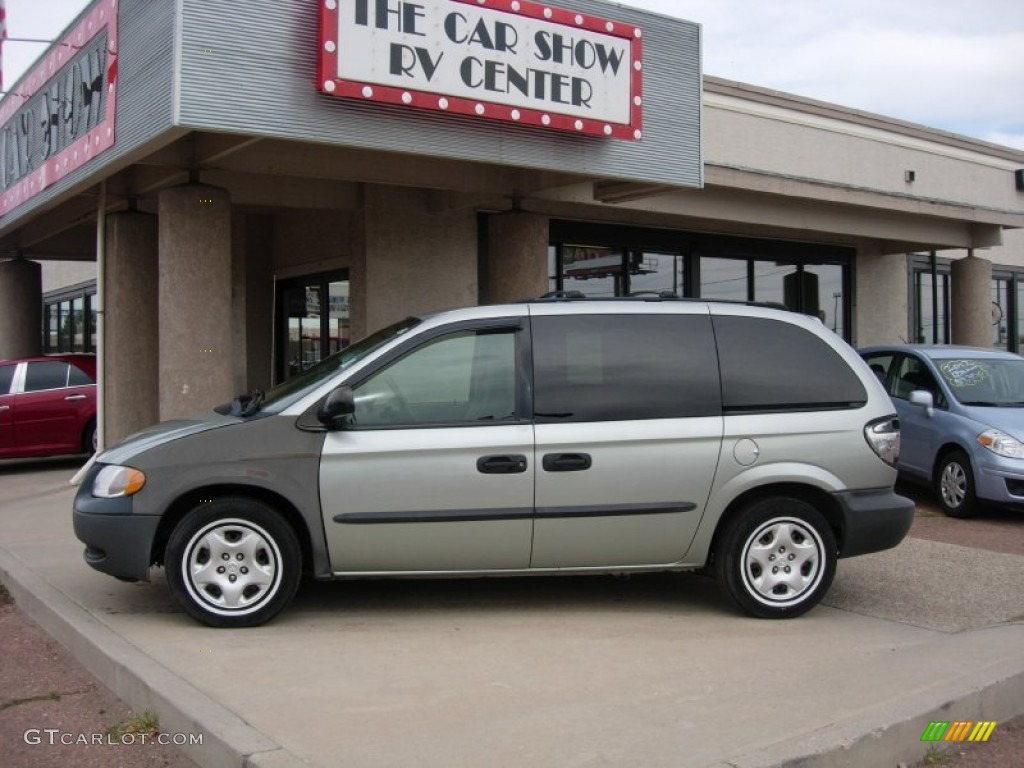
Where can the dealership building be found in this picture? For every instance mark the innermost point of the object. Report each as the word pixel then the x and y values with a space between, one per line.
pixel 213 196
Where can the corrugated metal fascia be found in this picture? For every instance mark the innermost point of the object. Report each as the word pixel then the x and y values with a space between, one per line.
pixel 250 68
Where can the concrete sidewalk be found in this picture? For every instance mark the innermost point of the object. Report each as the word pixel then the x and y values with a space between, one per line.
pixel 654 671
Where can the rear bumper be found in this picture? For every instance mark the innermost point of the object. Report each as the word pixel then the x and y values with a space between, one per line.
pixel 873 520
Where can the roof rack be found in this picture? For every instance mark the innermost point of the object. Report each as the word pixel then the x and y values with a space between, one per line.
pixel 654 296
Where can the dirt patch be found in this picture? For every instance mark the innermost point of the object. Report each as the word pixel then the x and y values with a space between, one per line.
pixel 53 713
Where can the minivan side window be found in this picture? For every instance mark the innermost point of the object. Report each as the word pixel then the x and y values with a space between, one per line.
pixel 623 367
pixel 771 366
pixel 464 377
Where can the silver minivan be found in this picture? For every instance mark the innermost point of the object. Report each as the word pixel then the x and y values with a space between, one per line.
pixel 554 436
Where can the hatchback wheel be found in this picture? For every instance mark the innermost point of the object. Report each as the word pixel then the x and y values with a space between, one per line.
pixel 233 562
pixel 777 558
pixel 954 485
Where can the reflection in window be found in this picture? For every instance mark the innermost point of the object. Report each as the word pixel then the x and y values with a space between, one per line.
pixel 1000 314
pixel 723 278
pixel 592 270
pixel 653 272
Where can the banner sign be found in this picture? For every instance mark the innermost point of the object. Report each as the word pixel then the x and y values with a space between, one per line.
pixel 509 60
pixel 61 114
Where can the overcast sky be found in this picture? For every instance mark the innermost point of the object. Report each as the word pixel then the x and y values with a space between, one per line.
pixel 957 65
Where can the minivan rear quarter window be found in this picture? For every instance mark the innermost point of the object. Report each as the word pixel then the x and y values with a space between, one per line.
pixel 770 366
pixel 624 367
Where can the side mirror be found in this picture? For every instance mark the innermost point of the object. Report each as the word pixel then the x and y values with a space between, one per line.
pixel 924 399
pixel 336 406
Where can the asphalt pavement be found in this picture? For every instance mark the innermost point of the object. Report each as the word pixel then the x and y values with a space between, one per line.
pixel 654 670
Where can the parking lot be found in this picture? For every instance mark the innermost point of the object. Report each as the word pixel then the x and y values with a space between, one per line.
pixel 655 670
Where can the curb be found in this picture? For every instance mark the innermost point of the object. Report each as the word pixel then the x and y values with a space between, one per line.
pixel 891 734
pixel 140 681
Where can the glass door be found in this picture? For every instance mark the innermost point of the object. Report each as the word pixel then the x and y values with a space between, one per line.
pixel 313 314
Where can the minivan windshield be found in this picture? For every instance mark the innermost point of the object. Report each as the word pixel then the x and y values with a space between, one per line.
pixel 990 382
pixel 287 392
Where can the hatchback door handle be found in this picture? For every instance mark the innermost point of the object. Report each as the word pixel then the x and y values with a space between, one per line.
pixel 512 464
pixel 75 397
pixel 566 462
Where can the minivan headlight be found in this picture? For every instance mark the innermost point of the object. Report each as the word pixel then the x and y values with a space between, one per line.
pixel 1002 444
pixel 883 435
pixel 113 482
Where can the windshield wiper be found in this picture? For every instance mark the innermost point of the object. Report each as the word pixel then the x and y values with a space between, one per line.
pixel 249 404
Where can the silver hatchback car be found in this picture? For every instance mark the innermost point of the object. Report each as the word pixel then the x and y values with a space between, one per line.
pixel 961 412
pixel 557 436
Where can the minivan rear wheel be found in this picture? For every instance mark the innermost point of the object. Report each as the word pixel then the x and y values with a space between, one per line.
pixel 777 557
pixel 954 485
pixel 233 562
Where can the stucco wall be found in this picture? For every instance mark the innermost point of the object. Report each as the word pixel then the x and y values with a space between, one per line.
pixel 420 256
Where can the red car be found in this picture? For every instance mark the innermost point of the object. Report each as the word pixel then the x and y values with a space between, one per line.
pixel 47 405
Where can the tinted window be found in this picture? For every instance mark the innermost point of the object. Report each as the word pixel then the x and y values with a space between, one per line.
pixel 78 378
pixel 913 375
pixel 619 367
pixel 770 365
pixel 880 363
pixel 467 377
pixel 6 376
pixel 52 374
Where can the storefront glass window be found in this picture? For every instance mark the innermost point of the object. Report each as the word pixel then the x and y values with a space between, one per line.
pixel 593 270
pixel 1000 313
pixel 655 272
pixel 773 282
pixel 314 321
pixel 723 279
pixel 78 324
pixel 827 301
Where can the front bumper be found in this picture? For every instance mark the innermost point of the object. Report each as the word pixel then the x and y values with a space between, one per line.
pixel 1000 481
pixel 117 541
pixel 873 520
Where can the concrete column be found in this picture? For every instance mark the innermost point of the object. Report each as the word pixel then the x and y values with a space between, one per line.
pixel 252 245
pixel 517 251
pixel 971 301
pixel 196 359
pixel 131 348
pixel 881 315
pixel 21 309
pixel 419 257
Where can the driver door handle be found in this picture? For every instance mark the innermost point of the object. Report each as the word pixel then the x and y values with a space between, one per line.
pixel 75 397
pixel 509 464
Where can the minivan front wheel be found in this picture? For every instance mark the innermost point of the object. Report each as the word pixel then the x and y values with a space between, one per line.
pixel 233 562
pixel 954 485
pixel 777 558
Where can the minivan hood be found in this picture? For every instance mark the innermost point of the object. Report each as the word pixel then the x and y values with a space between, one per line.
pixel 1006 419
pixel 164 432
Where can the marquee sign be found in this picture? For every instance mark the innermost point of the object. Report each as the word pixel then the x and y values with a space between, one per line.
pixel 61 114
pixel 510 60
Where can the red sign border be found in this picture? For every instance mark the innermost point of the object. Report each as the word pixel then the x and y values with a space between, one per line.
pixel 85 148
pixel 329 83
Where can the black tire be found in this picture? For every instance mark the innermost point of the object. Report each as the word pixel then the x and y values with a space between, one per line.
pixel 954 485
pixel 776 533
pixel 89 438
pixel 259 558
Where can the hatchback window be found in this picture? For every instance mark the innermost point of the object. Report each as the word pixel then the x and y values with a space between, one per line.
pixel 51 374
pixel 770 366
pixel 624 367
pixel 464 377
pixel 6 377
pixel 880 363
